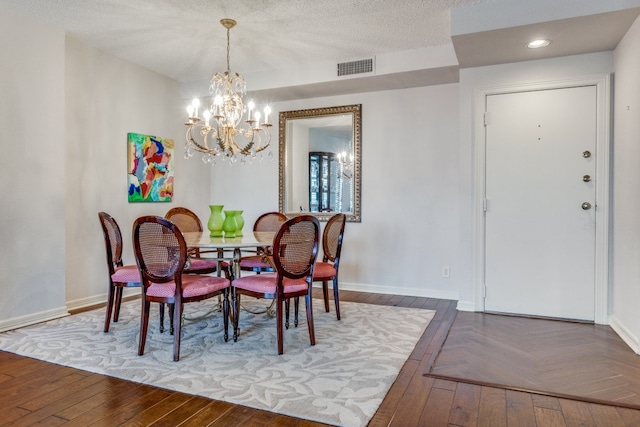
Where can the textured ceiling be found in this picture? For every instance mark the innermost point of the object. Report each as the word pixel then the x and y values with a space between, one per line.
pixel 184 40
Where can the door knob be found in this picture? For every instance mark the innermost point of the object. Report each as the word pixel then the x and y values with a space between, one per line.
pixel 586 178
pixel 586 154
pixel 586 206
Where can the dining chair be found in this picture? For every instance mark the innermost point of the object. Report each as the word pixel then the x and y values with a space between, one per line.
pixel 327 269
pixel 270 221
pixel 120 276
pixel 161 254
pixel 295 248
pixel 187 221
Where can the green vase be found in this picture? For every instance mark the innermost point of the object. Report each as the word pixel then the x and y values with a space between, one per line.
pixel 229 225
pixel 239 223
pixel 215 221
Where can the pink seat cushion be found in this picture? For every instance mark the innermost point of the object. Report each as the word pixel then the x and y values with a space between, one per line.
pixel 323 271
pixel 126 274
pixel 253 262
pixel 266 283
pixel 202 264
pixel 192 285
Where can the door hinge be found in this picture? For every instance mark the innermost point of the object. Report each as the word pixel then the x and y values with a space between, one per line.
pixel 485 203
pixel 484 291
pixel 487 117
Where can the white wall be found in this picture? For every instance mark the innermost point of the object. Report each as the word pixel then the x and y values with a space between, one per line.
pixel 626 194
pixel 105 99
pixel 65 112
pixel 32 234
pixel 410 191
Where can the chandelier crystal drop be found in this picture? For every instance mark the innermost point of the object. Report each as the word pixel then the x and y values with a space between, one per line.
pixel 221 129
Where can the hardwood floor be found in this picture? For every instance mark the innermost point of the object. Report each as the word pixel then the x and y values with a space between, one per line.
pixel 39 393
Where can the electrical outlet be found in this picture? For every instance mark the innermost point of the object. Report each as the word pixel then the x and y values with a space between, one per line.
pixel 445 271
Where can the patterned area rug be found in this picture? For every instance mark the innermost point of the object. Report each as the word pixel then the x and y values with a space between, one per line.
pixel 341 380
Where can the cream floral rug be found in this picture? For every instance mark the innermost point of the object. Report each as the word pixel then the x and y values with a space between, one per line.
pixel 341 380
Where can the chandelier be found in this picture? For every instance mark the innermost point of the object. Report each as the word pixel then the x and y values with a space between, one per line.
pixel 222 130
pixel 346 165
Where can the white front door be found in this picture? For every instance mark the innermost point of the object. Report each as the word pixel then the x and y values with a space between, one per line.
pixel 540 218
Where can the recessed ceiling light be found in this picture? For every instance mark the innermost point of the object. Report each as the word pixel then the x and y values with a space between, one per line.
pixel 538 43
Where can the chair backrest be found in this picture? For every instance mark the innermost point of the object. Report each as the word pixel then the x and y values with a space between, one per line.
pixel 112 240
pixel 296 247
pixel 332 237
pixel 185 219
pixel 160 249
pixel 270 221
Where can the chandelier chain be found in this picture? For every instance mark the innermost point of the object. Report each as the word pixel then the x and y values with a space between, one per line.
pixel 228 51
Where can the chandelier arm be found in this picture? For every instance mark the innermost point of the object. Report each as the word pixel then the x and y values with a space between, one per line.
pixel 202 148
pixel 268 139
pixel 193 141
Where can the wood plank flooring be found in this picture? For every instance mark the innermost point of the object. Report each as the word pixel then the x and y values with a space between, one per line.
pixel 39 393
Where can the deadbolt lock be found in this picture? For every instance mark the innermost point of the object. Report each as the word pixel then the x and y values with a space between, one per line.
pixel 586 154
pixel 586 206
pixel 586 178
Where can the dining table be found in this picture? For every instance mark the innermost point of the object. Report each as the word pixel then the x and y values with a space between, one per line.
pixel 228 248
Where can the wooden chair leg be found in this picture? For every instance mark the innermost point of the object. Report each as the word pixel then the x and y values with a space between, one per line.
pixel 107 317
pixel 177 324
pixel 279 325
pixel 296 311
pixel 161 317
pixel 236 312
pixel 325 293
pixel 171 311
pixel 312 331
pixel 225 314
pixel 144 322
pixel 336 296
pixel 287 303
pixel 118 302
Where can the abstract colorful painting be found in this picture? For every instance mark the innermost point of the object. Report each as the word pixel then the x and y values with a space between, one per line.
pixel 150 168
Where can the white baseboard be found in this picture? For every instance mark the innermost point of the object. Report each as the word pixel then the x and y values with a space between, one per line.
pixel 378 289
pixel 43 316
pixel 626 335
pixel 466 306
pixel 98 299
pixel 31 319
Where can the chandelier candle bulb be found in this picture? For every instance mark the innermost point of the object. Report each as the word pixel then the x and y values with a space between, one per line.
pixel 196 105
pixel 267 110
pixel 251 105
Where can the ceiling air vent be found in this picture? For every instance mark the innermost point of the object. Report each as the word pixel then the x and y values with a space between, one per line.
pixel 355 67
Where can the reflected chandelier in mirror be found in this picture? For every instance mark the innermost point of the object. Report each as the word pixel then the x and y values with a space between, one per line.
pixel 320 161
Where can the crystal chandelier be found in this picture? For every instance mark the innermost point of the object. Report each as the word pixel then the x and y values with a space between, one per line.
pixel 222 131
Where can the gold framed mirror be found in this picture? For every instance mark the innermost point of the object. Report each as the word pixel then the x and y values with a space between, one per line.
pixel 320 161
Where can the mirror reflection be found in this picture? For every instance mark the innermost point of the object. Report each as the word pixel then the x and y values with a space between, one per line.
pixel 320 161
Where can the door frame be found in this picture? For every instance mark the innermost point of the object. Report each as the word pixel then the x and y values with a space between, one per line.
pixel 602 203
